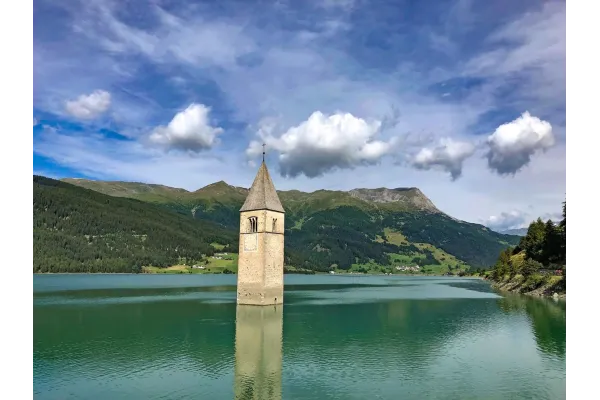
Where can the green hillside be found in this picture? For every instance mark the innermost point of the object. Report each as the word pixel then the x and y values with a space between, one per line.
pixel 80 230
pixel 526 268
pixel 343 230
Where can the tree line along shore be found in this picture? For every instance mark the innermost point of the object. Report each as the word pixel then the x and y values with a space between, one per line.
pixel 537 265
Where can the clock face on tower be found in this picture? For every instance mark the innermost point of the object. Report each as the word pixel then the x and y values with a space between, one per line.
pixel 250 242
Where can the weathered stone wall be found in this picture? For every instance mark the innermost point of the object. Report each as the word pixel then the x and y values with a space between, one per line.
pixel 250 252
pixel 274 255
pixel 260 265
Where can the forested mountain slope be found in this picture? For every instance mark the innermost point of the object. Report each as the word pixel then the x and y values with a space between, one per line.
pixel 343 229
pixel 80 230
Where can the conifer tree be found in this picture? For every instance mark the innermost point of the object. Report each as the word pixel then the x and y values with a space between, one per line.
pixel 562 231
pixel 533 242
pixel 551 245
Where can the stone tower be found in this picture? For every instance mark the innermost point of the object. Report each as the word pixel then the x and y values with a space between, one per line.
pixel 260 265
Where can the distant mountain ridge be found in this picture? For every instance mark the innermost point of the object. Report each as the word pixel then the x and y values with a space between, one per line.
pixel 359 228
pixel 406 198
pixel 516 231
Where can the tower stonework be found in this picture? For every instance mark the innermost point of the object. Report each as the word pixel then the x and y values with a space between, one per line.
pixel 260 265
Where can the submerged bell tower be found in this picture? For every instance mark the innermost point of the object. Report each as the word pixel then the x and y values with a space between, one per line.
pixel 260 265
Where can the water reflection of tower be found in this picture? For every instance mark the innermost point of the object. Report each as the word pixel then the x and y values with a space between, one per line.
pixel 258 355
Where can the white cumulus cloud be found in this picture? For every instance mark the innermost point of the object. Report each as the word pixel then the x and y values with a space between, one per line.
pixel 507 220
pixel 449 155
pixel 513 144
pixel 89 106
pixel 190 130
pixel 324 143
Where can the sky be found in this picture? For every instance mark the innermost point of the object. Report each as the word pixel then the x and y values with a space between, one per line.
pixel 463 99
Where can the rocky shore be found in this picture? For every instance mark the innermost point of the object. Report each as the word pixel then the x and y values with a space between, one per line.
pixel 551 286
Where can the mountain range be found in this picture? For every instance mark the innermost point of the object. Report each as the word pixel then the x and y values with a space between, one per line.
pixel 516 231
pixel 360 230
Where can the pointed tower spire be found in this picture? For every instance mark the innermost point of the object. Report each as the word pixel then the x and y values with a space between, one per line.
pixel 261 251
pixel 262 195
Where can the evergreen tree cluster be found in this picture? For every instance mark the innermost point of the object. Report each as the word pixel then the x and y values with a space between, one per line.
pixel 543 247
pixel 347 235
pixel 79 230
pixel 320 234
pixel 428 260
pixel 474 244
pixel 341 236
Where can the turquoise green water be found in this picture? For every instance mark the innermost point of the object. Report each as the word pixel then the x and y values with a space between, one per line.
pixel 182 337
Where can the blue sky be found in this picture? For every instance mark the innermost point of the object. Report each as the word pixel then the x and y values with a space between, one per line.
pixel 463 99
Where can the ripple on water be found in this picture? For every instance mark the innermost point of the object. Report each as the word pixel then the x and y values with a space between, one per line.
pixel 375 338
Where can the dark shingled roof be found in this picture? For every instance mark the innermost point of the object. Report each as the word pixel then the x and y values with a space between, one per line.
pixel 262 194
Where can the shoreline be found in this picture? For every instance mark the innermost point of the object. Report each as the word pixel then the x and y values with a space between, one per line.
pixel 553 290
pixel 216 273
pixel 514 286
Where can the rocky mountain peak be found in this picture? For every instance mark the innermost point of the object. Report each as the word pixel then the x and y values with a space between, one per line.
pixel 408 196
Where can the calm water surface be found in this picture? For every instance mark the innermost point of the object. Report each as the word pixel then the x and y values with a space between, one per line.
pixel 336 337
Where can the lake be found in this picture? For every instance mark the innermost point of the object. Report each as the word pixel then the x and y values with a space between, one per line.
pixel 336 337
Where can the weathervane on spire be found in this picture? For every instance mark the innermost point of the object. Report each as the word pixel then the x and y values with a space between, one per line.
pixel 263 145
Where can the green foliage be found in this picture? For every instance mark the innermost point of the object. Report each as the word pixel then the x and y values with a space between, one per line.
pixel 79 230
pixel 551 248
pixel 544 246
pixel 530 267
pixel 562 233
pixel 326 228
pixel 545 242
pixel 428 260
pixel 472 243
pixel 533 242
pixel 503 265
pixel 533 282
